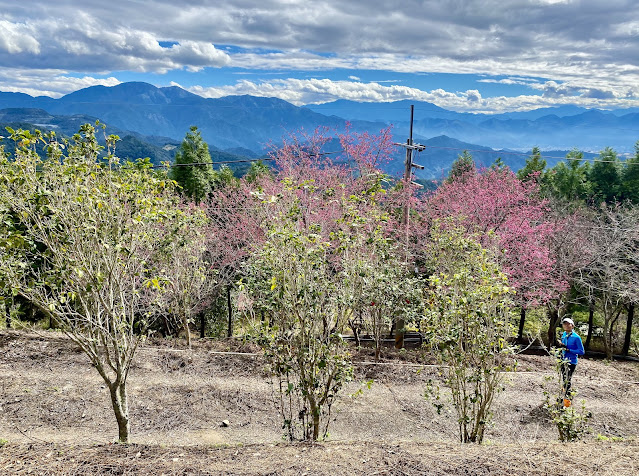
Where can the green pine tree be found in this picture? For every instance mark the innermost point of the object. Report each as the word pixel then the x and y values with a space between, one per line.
pixel 225 177
pixel 630 178
pixel 462 166
pixel 258 169
pixel 196 180
pixel 605 176
pixel 535 167
pixel 569 180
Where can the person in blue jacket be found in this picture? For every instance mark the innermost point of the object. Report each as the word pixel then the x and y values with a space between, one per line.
pixel 572 348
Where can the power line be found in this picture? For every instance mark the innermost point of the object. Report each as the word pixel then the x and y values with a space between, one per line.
pixel 219 162
pixel 492 151
pixel 222 162
pixel 426 147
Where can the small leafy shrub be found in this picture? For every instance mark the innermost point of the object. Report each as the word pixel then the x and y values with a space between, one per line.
pixel 467 303
pixel 572 421
pixel 290 279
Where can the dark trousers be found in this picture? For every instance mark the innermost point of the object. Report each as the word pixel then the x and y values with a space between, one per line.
pixel 567 369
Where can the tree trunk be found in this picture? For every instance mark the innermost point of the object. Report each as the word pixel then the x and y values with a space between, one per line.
pixel 202 325
pixel 119 400
pixel 316 424
pixel 626 341
pixel 522 321
pixel 553 315
pixel 353 327
pixel 608 334
pixel 608 342
pixel 399 334
pixel 591 323
pixel 228 301
pixel 185 322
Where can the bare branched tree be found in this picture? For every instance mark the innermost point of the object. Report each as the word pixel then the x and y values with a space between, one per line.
pixel 610 277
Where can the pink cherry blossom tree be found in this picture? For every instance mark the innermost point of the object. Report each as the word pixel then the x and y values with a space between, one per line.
pixel 511 218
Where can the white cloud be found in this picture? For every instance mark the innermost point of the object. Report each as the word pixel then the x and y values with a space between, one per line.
pixel 317 91
pixel 354 78
pixel 16 38
pixel 88 44
pixel 473 96
pixel 510 81
pixel 587 48
pixel 48 82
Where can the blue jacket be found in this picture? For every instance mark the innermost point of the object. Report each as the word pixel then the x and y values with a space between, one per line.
pixel 574 346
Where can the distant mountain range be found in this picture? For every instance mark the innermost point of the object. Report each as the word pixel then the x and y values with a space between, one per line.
pixel 131 146
pixel 152 121
pixel 560 128
pixel 230 122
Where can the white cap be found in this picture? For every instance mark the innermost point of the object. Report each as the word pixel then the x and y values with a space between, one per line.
pixel 568 320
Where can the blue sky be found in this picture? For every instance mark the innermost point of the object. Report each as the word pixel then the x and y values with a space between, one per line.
pixel 475 55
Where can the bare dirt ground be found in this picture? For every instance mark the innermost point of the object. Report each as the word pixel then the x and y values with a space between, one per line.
pixel 56 415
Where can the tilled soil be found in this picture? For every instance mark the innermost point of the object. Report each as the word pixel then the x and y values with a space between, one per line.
pixel 56 415
pixel 331 459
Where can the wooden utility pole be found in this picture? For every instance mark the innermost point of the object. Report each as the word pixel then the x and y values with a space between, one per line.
pixel 408 174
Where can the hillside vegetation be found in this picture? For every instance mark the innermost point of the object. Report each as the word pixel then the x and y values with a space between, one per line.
pixel 312 275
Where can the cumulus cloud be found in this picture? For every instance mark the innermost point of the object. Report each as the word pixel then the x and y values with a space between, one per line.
pixel 16 38
pixel 587 48
pixel 88 44
pixel 54 83
pixel 317 91
pixel 510 81
pixel 473 96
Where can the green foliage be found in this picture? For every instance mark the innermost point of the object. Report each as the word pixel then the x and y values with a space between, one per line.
pixel 630 178
pixel 571 421
pixel 378 284
pixel 3 442
pixel 605 177
pixel 186 276
pixel 462 166
pixel 466 321
pixel 256 170
pixel 81 245
pixel 535 168
pixel 196 180
pixel 498 164
pixel 291 280
pixel 569 180
pixel 224 177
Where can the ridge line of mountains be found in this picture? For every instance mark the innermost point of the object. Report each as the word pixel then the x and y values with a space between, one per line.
pixel 152 122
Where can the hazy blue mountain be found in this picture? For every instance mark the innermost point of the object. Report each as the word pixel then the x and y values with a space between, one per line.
pixel 21 100
pixel 560 111
pixel 245 125
pixel 399 111
pixel 388 112
pixel 562 127
pixel 229 122
pixel 441 152
pixel 132 145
